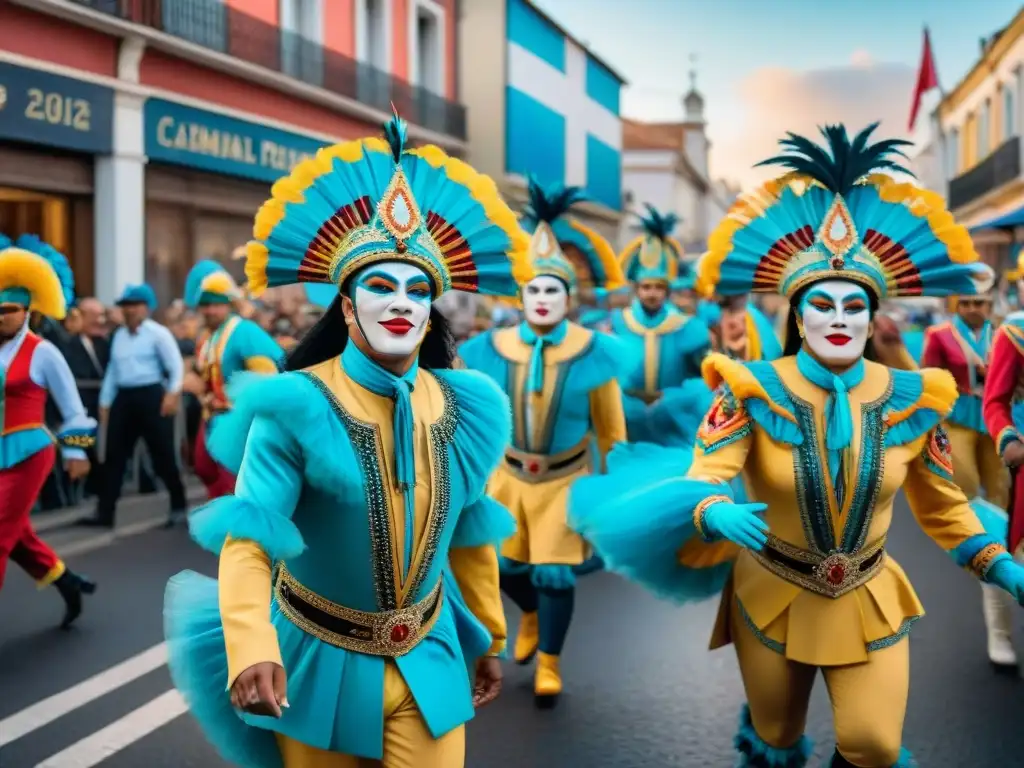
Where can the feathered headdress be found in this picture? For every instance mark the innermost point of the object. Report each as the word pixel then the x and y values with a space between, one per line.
pixel 553 231
pixel 655 254
pixel 834 215
pixel 209 283
pixel 35 275
pixel 373 200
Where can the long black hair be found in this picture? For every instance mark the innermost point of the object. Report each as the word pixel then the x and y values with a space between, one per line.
pixel 327 339
pixel 792 341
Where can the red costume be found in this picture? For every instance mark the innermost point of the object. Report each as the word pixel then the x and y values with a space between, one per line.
pixel 1003 401
pixel 24 407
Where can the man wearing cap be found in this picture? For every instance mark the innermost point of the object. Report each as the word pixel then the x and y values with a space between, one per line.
pixel 139 397
pixel 34 277
pixel 229 344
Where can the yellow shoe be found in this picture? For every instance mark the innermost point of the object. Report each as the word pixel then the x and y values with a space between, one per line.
pixel 547 682
pixel 526 639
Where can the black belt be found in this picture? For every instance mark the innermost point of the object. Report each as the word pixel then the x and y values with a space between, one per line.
pixel 337 625
pixel 554 467
pixel 809 569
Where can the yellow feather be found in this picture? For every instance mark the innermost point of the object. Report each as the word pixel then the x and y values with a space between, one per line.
pixel 219 282
pixel 24 269
pixel 614 278
pixel 256 258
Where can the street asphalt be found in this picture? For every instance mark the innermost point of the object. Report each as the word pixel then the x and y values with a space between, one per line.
pixel 642 690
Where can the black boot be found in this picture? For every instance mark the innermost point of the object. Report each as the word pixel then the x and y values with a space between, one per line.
pixel 838 761
pixel 71 587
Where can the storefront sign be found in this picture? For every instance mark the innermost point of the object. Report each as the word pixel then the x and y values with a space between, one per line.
pixel 41 108
pixel 185 136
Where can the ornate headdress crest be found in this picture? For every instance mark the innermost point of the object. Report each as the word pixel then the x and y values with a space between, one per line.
pixel 835 215
pixel 373 200
pixel 655 254
pixel 591 259
pixel 35 274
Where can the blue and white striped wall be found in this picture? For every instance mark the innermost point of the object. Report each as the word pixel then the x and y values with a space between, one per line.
pixel 562 119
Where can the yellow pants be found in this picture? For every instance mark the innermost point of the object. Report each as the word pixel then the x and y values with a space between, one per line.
pixel 407 742
pixel 976 465
pixel 869 700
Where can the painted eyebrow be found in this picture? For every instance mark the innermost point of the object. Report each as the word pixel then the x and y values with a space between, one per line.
pixel 378 275
pixel 858 296
pixel 416 282
pixel 819 295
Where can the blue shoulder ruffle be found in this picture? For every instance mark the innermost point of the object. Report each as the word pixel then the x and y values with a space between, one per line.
pixel 483 522
pixel 606 358
pixel 645 547
pixel 907 388
pixel 479 354
pixel 484 427
pixel 678 414
pixel 239 518
pixel 778 428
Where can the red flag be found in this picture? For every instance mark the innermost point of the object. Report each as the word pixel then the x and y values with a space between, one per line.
pixel 927 78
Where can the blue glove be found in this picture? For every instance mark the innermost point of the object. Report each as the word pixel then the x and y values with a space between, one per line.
pixel 740 524
pixel 1004 573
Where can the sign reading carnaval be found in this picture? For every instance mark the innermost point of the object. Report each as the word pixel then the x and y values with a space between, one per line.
pixel 185 136
pixel 42 108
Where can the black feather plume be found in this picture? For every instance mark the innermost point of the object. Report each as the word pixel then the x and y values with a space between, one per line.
pixel 657 224
pixel 840 163
pixel 395 133
pixel 550 203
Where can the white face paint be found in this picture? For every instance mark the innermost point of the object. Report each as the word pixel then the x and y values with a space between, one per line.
pixel 836 316
pixel 392 306
pixel 545 301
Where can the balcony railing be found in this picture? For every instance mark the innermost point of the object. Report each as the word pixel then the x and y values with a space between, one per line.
pixel 215 25
pixel 1000 167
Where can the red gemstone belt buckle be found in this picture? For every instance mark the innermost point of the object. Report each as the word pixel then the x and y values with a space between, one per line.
pixel 837 570
pixel 399 630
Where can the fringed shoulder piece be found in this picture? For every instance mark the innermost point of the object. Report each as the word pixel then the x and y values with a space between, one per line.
pixel 758 387
pixel 483 425
pixel 919 400
pixel 1014 320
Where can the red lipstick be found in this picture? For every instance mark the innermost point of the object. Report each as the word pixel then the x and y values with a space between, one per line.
pixel 397 325
pixel 839 339
pixel 542 312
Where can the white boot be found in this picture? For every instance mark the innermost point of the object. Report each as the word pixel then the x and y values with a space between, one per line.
pixel 998 606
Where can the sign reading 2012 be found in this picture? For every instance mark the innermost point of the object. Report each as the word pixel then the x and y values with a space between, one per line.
pixel 42 108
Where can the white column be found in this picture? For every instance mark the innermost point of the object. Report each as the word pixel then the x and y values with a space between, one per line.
pixel 120 190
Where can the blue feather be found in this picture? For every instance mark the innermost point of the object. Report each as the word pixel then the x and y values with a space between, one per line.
pixel 55 259
pixel 194 280
pixel 396 133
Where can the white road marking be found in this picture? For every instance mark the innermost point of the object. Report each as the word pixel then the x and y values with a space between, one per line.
pixel 46 711
pixel 97 747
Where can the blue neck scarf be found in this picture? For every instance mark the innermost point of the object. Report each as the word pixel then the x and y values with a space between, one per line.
pixel 369 375
pixel 979 341
pixel 535 374
pixel 838 419
pixel 645 318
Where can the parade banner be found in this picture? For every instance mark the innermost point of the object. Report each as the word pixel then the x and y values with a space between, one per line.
pixel 42 108
pixel 182 135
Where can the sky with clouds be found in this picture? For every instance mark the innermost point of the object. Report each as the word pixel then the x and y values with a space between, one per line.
pixel 768 66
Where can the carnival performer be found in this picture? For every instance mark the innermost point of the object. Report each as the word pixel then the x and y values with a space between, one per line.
pixel 683 290
pixel 670 343
pixel 561 379
pixel 361 475
pixel 229 344
pixel 824 440
pixel 961 346
pixel 34 277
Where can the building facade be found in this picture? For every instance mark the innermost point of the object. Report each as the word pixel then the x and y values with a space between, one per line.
pixel 978 148
pixel 540 104
pixel 666 165
pixel 140 137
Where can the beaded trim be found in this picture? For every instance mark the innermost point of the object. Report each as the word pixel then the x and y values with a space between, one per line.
pixel 887 642
pixel 815 509
pixel 366 441
pixel 870 471
pixel 701 510
pixel 982 561
pixel 938 453
pixel 78 440
pixel 379 625
pixel 442 435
